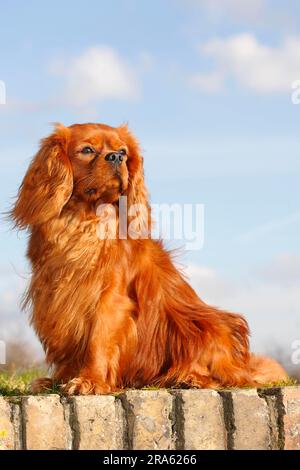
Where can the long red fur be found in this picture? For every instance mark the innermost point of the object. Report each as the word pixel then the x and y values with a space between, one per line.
pixel 117 313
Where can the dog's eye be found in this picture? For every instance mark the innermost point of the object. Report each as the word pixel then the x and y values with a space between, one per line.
pixel 86 150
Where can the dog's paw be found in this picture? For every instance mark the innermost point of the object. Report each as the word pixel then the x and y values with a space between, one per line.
pixel 84 386
pixel 44 384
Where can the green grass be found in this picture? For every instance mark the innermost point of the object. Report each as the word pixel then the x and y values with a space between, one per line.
pixel 17 383
pixel 290 382
pixel 283 383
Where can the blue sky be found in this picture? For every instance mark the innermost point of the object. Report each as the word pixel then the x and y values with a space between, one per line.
pixel 206 87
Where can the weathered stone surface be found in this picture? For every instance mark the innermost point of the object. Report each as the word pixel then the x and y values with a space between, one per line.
pixel 203 421
pixel 6 426
pixel 98 423
pixel 147 419
pixel 272 396
pixel 251 420
pixel 150 425
pixel 44 426
pixel 291 419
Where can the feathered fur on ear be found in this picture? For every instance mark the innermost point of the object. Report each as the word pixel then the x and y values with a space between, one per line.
pixel 137 194
pixel 48 183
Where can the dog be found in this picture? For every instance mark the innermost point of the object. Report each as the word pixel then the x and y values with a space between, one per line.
pixel 114 312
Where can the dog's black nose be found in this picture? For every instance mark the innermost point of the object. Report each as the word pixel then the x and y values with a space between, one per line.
pixel 115 157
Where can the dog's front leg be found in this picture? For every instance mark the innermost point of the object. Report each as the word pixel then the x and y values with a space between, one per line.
pixel 110 340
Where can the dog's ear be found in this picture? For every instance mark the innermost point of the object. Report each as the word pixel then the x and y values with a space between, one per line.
pixel 48 183
pixel 137 194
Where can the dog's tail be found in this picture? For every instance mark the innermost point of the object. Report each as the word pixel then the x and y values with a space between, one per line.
pixel 265 370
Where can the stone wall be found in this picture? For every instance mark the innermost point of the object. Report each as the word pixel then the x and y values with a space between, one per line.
pixel 148 419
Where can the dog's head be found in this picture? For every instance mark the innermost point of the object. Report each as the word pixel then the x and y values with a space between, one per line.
pixel 89 162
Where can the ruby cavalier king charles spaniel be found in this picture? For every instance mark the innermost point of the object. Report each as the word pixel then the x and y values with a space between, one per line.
pixel 115 312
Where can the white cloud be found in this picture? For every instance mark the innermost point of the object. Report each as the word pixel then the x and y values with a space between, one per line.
pixel 250 64
pixel 97 74
pixel 279 17
pixel 14 324
pixel 283 270
pixel 270 303
pixel 250 10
